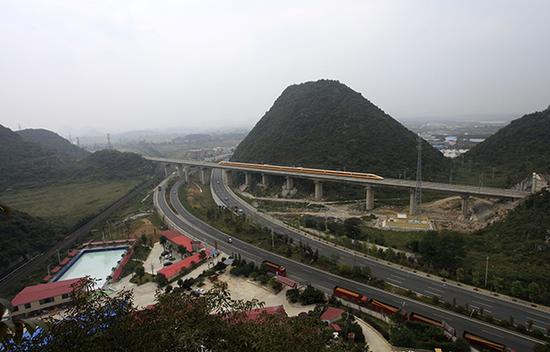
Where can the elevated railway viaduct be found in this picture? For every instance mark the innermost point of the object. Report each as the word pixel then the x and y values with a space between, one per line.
pixel 318 176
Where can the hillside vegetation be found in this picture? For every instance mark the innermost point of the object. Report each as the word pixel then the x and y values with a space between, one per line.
pixel 22 161
pixel 52 141
pixel 23 236
pixel 325 124
pixel 519 251
pixel 516 150
pixel 36 157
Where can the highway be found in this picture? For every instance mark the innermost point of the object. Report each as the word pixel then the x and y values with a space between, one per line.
pixel 386 182
pixel 187 223
pixel 392 273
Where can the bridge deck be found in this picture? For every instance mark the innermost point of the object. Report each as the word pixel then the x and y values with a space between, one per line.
pixel 387 182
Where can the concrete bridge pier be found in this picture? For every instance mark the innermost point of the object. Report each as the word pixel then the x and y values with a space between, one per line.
pixel 186 174
pixel 289 183
pixel 370 198
pixel 464 205
pixel 248 178
pixel 226 177
pixel 166 171
pixel 264 180
pixel 180 169
pixel 412 202
pixel 318 190
pixel 204 175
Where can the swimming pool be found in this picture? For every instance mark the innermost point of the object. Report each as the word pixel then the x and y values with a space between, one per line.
pixel 95 263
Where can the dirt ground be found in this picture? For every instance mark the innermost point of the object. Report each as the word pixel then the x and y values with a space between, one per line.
pixel 245 289
pixel 148 229
pixel 441 214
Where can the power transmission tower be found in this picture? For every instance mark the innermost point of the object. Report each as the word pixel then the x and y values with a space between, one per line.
pixel 418 189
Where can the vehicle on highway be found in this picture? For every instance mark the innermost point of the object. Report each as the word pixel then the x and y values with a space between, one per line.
pixel 274 268
pixel 349 295
pixel 229 240
pixel 483 343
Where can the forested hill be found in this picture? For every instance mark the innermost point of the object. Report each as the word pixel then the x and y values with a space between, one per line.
pixel 326 124
pixel 519 248
pixel 517 150
pixel 111 164
pixel 51 140
pixel 24 162
pixel 23 236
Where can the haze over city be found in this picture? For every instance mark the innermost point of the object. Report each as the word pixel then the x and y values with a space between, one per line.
pixel 81 68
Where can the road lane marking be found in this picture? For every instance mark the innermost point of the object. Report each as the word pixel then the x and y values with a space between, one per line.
pixel 492 333
pixel 481 303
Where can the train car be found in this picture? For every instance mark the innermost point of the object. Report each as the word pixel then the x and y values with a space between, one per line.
pixel 350 295
pixel 303 170
pixel 426 320
pixel 384 307
pixel 481 342
pixel 274 268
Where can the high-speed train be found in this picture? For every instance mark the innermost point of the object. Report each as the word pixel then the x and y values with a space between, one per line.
pixel 302 170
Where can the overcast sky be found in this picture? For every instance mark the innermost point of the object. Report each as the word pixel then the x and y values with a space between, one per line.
pixel 110 66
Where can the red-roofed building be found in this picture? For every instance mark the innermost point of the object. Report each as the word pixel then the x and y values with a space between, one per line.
pixel 177 239
pixel 331 315
pixel 65 261
pixel 43 296
pixel 256 313
pixel 335 327
pixel 171 271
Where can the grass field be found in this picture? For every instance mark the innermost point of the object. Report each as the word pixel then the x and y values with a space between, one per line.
pixel 68 203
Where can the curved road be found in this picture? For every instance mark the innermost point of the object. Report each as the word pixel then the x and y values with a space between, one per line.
pixel 188 223
pixel 393 273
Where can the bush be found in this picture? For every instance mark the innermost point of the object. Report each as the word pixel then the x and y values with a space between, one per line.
pixel 311 295
pixel 263 279
pixel 275 285
pixel 161 280
pixel 293 295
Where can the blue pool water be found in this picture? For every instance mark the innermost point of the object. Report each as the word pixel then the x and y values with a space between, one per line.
pixel 97 264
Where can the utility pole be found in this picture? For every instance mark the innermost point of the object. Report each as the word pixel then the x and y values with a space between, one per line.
pixel 58 257
pixel 486 270
pixel 418 189
pixel 272 239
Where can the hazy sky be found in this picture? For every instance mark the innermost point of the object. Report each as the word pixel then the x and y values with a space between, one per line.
pixel 125 65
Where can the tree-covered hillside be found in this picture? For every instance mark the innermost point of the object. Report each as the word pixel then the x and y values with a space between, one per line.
pixel 111 164
pixel 517 150
pixel 519 250
pixel 22 161
pixel 41 157
pixel 22 236
pixel 53 141
pixel 326 124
